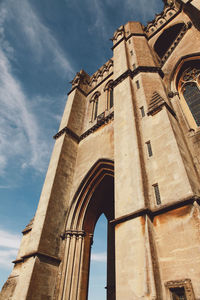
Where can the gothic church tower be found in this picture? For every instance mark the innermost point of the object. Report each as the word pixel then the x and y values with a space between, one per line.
pixel 129 147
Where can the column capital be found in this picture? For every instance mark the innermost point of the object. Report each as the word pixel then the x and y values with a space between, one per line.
pixel 73 233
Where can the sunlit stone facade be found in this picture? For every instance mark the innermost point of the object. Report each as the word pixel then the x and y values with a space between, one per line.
pixel 129 147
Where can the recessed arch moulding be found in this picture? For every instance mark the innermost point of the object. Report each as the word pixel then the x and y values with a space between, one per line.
pixel 94 196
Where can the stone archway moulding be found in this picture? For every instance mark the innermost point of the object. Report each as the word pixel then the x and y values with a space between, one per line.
pixel 78 235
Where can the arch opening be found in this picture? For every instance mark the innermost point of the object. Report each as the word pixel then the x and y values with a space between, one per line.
pixel 166 39
pixel 102 203
pixel 94 197
pixel 98 265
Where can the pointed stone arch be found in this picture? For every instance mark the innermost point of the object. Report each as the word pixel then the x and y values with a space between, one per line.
pixel 167 37
pixel 180 85
pixel 94 196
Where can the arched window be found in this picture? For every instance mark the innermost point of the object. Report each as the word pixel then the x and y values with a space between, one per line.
pixel 189 89
pixel 166 39
pixel 110 95
pixel 94 102
pixel 110 98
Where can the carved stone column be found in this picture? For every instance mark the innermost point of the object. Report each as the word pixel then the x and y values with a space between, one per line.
pixel 70 283
pixel 85 268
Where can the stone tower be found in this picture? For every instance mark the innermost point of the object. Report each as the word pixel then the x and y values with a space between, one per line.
pixel 129 147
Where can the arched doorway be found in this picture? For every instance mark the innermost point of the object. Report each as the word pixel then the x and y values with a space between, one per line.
pixel 94 196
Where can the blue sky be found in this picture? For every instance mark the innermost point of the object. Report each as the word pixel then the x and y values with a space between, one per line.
pixel 43 43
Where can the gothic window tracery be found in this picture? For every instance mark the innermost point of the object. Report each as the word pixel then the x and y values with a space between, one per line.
pixel 189 90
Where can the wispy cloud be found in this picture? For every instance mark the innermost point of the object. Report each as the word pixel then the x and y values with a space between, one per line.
pixel 4 43
pixel 9 244
pixel 22 139
pixel 5 186
pixel 18 126
pixel 9 240
pixel 99 257
pixel 6 258
pixel 39 37
pixel 101 22
pixel 143 8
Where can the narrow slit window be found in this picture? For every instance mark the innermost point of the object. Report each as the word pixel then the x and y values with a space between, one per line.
pixel 142 111
pixel 134 66
pixel 95 109
pixel 129 41
pixel 94 102
pixel 149 148
pixel 131 52
pixel 111 98
pixel 137 84
pixel 157 194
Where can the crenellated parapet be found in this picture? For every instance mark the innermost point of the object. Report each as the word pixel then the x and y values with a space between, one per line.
pixel 169 12
pixel 86 83
pixel 106 69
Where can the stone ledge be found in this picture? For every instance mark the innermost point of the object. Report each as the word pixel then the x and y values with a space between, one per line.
pixel 38 254
pixel 152 213
pixel 101 120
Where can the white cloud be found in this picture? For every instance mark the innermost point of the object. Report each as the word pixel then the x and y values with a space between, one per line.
pixel 6 258
pixel 9 240
pixel 9 245
pixel 99 257
pixel 22 137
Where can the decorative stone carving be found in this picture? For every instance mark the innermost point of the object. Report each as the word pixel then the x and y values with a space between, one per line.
pixel 100 118
pixel 161 19
pixel 171 94
pixel 72 232
pixel 99 73
pixel 79 78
